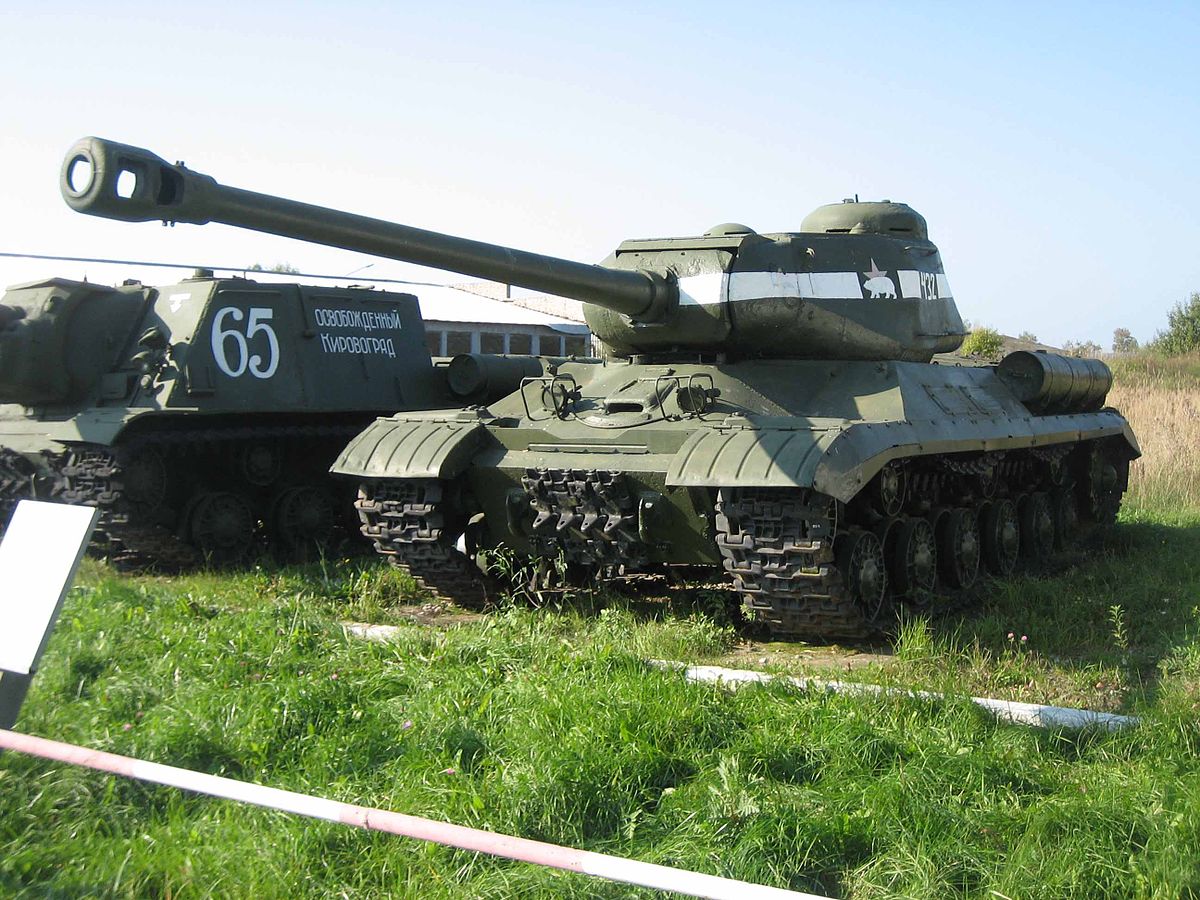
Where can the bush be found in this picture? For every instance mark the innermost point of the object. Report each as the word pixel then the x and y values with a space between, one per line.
pixel 983 342
pixel 1082 349
pixel 1183 328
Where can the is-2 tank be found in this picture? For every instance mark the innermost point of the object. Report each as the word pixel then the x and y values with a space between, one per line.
pixel 767 405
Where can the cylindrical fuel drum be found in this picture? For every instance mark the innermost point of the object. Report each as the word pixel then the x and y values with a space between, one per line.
pixel 484 378
pixel 1051 383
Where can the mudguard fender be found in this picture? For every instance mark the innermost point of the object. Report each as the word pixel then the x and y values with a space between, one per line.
pixel 400 448
pixel 749 457
pixel 860 450
pixel 838 459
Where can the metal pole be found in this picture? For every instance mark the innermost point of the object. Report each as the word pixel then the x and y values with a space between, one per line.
pixel 601 865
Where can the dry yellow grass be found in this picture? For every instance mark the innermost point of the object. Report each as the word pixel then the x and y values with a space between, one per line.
pixel 1161 399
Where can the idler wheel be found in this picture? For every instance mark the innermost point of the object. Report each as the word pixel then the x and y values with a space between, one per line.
pixel 958 547
pixel 144 480
pixel 220 525
pixel 1000 537
pixel 1037 526
pixel 912 559
pixel 860 559
pixel 302 519
pixel 1064 509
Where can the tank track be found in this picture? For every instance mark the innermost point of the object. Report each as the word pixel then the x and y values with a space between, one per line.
pixel 804 564
pixel 407 519
pixel 138 534
pixel 589 516
pixel 778 548
pixel 799 559
pixel 92 476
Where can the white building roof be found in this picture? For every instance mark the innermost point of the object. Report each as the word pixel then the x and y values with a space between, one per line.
pixel 449 304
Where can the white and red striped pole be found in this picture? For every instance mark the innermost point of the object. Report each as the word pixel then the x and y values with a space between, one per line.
pixel 601 865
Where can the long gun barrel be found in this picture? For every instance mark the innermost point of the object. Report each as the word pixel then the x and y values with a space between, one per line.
pixel 117 181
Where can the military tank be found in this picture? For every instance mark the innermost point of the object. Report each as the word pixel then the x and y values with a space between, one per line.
pixel 774 406
pixel 202 417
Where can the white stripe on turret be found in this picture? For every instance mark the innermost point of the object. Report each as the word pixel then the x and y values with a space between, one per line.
pixel 711 288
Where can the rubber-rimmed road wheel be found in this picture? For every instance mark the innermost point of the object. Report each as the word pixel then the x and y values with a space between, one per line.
pixel 1000 537
pixel 221 526
pixel 1037 526
pixel 302 520
pixel 958 547
pixel 913 560
pixel 860 558
pixel 1064 509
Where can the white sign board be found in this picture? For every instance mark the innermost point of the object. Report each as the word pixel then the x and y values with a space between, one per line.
pixel 38 557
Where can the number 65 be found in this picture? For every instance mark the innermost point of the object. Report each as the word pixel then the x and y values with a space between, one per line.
pixel 243 360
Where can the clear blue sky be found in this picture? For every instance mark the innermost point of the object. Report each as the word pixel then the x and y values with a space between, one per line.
pixel 1052 147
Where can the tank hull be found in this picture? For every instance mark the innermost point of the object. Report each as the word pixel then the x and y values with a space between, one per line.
pixel 796 479
pixel 202 417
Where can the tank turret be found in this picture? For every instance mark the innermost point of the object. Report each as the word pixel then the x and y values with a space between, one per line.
pixel 858 281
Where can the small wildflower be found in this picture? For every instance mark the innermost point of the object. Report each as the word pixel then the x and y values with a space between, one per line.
pixel 448 771
pixel 128 726
pixel 333 677
pixel 1011 635
pixel 1024 638
pixel 408 723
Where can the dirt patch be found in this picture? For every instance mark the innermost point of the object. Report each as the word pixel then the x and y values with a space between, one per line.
pixel 434 615
pixel 798 657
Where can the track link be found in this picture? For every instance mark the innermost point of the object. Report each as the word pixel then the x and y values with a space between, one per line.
pixel 407 519
pixel 778 547
pixel 17 482
pixel 588 516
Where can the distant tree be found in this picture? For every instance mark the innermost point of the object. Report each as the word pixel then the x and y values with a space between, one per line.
pixel 982 342
pixel 1183 328
pixel 1027 336
pixel 280 268
pixel 1081 348
pixel 1123 341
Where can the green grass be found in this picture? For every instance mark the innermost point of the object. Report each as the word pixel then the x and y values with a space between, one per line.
pixel 546 723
